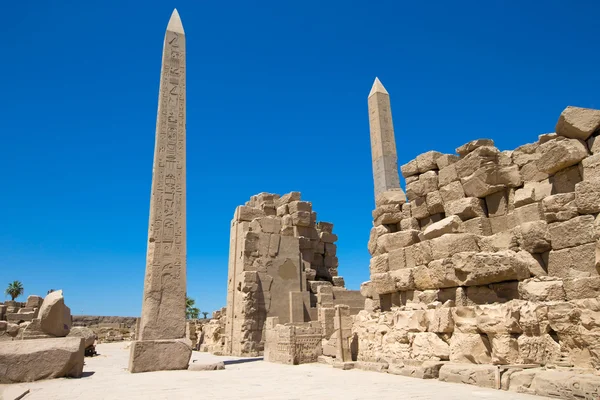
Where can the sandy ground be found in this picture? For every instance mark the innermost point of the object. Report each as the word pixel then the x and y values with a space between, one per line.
pixel 106 377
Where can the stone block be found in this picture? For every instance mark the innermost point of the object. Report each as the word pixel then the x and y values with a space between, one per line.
pixel 475 269
pixel 564 181
pixel 466 208
pixel 445 160
pixel 528 213
pixel 429 180
pixel 386 209
pixel 427 161
pixel 440 320
pixel 573 262
pixel 403 279
pixel 452 191
pixel 435 204
pixel 392 241
pixel 379 264
pixel 591 167
pixel 582 288
pixel 587 196
pixel 418 254
pixel 159 355
pixel 245 213
pixel 396 260
pixel 560 153
pixel 452 243
pixel 502 223
pixel 559 207
pixel 546 137
pixel 418 208
pixel 447 175
pixel 497 203
pixel 32 360
pixel 574 232
pixel 524 196
pixel 594 144
pixel 467 148
pixel 486 180
pixel 428 346
pixel 376 232
pixel 383 283
pixel 388 219
pixel 409 223
pixel 409 169
pixel 431 219
pixel 535 237
pixel 578 123
pixel 542 289
pixel 565 385
pixel 477 375
pixel 539 349
pixel 54 315
pixel 34 301
pixel 296 206
pixel 388 197
pixel 477 226
pixel 327 237
pixel 531 173
pixel 436 275
pixel 447 225
pixel 415 190
pixel 525 154
pixel 470 348
pixel 367 289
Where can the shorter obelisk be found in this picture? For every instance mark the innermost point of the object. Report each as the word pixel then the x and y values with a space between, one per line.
pixel 383 143
pixel 161 343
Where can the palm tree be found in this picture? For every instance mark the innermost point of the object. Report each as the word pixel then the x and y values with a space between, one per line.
pixel 191 312
pixel 14 290
pixel 205 314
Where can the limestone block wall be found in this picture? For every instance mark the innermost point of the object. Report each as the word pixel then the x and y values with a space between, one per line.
pixel 279 255
pixel 490 254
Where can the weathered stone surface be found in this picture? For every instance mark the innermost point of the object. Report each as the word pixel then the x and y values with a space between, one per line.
pixel 471 348
pixel 505 349
pixel 435 204
pixel 403 279
pixel 452 243
pixel 452 191
pixel 376 232
pixel 207 367
pixel 87 334
pixel 582 288
pixel 490 179
pixel 578 123
pixel 587 196
pixel 478 375
pixel 383 283
pixel 528 213
pixel 418 208
pixel 591 167
pixel 542 289
pixel 34 301
pixel 379 264
pixel 594 144
pixel 159 355
pixel 472 145
pixel 560 153
pixel 54 315
pixel 466 208
pixel 392 241
pixel 573 262
pixel 447 225
pixel 534 237
pixel 474 269
pixel 409 223
pixel 497 203
pixel 564 385
pixel 477 226
pixel 574 232
pixel 32 360
pixel 559 207
pixel 409 169
pixel 445 160
pixel 427 161
pixel 428 346
pixel 383 142
pixel 538 349
pixel 388 197
pixel 447 175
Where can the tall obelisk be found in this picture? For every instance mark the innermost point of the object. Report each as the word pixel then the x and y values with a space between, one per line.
pixel 383 143
pixel 161 343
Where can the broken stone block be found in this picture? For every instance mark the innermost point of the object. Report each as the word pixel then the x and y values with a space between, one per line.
pixel 574 232
pixel 388 219
pixel 418 208
pixel 573 262
pixel 582 288
pixel 505 349
pixel 409 223
pixel 578 123
pixel 471 348
pixel 429 180
pixel 479 158
pixel 587 196
pixel 427 161
pixel 379 264
pixel 475 269
pixel 478 226
pixel 301 218
pixel 531 173
pixel 452 191
pixel 447 225
pixel 245 213
pixel 428 346
pixel 498 319
pixel 564 181
pixel 409 169
pixel 493 293
pixel 542 289
pixel 34 301
pixel 388 197
pixel 411 179
pixel 472 145
pixel 437 274
pixel 466 208
pixel 32 360
pixel 528 213
pixel 565 385
pixel 295 206
pixel 497 203
pixel 535 237
pixel 418 254
pixel 591 167
pixel 404 279
pixel 159 355
pixel 445 160
pixel 559 207
pixel 534 262
pixel 383 283
pixel 524 196
pixel 415 190
pixel 490 179
pixel 477 375
pixel 392 241
pixel 451 243
pixel 525 154
pixel 560 153
pixel 54 315
pixel 376 232
pixel 594 144
pixel 327 237
pixel 440 320
pixel 367 289
pixel 435 204
pixel 538 349
pixel 387 209
pixel 447 175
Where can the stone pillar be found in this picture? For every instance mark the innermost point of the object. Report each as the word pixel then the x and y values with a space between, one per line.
pixel 343 326
pixel 161 343
pixel 383 143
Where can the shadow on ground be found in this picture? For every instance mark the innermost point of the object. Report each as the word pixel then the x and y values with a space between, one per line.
pixel 242 360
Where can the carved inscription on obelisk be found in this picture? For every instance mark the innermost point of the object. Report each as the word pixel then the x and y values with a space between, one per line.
pixel 383 143
pixel 163 308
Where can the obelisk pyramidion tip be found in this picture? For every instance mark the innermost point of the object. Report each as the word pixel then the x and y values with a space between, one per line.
pixel 175 24
pixel 377 88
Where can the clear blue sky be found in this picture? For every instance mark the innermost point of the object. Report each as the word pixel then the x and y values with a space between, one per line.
pixel 277 101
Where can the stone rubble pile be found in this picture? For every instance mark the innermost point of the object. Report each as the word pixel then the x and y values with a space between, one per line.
pixel 492 257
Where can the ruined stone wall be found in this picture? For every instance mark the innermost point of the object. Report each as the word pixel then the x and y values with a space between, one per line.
pixel 279 256
pixel 493 257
